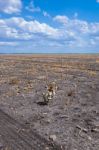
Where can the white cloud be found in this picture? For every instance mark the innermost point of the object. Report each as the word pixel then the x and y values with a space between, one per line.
pixel 31 7
pixel 33 26
pixel 95 27
pixel 46 14
pixel 74 25
pixel 77 32
pixel 10 31
pixel 8 43
pixel 97 1
pixel 70 33
pixel 61 19
pixel 80 26
pixel 19 28
pixel 7 32
pixel 10 6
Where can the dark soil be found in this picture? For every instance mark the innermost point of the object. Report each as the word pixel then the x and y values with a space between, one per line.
pixel 16 136
pixel 72 116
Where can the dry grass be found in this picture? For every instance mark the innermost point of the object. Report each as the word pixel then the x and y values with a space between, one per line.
pixel 14 81
pixel 97 61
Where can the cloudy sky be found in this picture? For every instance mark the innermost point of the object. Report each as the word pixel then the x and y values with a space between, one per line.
pixel 49 26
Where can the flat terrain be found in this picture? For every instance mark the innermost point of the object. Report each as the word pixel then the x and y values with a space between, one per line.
pixel 70 121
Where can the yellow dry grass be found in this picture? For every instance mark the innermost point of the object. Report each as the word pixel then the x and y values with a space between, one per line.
pixel 97 61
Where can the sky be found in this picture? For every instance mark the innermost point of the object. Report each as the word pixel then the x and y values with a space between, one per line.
pixel 49 26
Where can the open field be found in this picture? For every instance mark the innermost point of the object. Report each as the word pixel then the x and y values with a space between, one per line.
pixel 70 121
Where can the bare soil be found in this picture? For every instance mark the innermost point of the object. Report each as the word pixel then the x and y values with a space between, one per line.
pixel 71 117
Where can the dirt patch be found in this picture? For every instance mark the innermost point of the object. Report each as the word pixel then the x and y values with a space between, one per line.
pixel 72 117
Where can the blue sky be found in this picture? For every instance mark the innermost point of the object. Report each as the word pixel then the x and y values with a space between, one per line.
pixel 49 26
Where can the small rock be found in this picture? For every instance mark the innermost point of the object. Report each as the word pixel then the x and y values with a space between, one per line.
pixel 89 138
pixel 52 137
pixel 48 121
pixel 46 148
pixel 95 130
pixel 44 113
pixel 64 116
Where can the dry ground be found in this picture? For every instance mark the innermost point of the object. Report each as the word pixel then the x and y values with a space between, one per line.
pixel 70 120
